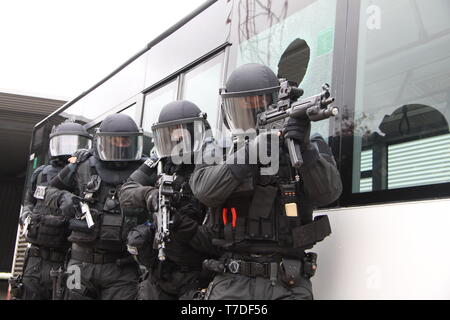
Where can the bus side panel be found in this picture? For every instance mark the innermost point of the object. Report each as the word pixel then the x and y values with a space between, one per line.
pixel 395 251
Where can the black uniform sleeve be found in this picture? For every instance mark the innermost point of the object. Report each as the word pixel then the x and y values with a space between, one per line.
pixel 135 192
pixel 64 182
pixel 30 200
pixel 146 174
pixel 133 195
pixel 321 179
pixel 202 241
pixel 187 230
pixel 213 184
pixel 66 178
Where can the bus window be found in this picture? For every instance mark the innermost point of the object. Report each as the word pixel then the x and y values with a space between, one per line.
pixel 201 86
pixel 93 129
pixel 265 30
pixel 402 107
pixel 132 112
pixel 154 101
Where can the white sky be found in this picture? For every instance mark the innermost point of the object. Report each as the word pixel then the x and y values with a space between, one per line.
pixel 60 48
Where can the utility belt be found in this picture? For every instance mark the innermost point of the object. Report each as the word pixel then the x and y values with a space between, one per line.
pixel 163 269
pixel 47 254
pixel 287 270
pixel 95 256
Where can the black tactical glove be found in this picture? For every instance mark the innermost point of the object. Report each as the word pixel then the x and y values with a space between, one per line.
pixel 80 155
pixel 152 199
pixel 66 204
pixel 298 130
pixel 139 243
pixel 183 228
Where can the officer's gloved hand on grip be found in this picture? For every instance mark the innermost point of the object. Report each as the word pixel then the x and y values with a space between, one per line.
pixel 66 205
pixel 152 199
pixel 183 228
pixel 80 155
pixel 298 130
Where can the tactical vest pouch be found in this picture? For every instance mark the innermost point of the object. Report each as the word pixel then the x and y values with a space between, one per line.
pixel 307 235
pixel 111 227
pixel 259 223
pixel 290 272
pixel 262 202
pixel 33 226
pixel 52 231
pixel 52 225
pixel 81 233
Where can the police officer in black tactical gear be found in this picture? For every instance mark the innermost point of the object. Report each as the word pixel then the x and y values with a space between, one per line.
pixel 87 193
pixel 45 229
pixel 264 222
pixel 178 134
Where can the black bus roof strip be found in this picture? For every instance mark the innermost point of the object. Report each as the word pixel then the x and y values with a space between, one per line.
pixel 151 44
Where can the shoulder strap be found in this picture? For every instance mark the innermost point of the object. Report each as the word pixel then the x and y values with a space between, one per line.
pixel 34 177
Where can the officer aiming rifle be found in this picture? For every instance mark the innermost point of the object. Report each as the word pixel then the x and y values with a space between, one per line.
pixel 271 224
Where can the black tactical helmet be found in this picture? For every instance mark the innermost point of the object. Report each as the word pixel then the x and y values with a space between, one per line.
pixel 118 139
pixel 181 129
pixel 67 138
pixel 250 89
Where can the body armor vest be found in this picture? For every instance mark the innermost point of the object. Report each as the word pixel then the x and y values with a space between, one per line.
pixel 269 214
pixel 46 227
pixel 98 187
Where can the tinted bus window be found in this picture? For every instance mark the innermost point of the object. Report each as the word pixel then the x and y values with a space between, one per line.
pixel 201 86
pixel 201 35
pixel 265 29
pixel 154 101
pixel 402 107
pixel 115 91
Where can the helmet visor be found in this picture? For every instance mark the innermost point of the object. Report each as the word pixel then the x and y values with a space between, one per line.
pixel 66 145
pixel 119 146
pixel 178 139
pixel 241 112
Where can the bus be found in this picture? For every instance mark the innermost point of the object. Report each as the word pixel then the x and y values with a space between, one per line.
pixel 388 65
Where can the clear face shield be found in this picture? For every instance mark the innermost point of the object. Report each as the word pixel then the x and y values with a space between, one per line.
pixel 241 109
pixel 176 138
pixel 67 144
pixel 119 146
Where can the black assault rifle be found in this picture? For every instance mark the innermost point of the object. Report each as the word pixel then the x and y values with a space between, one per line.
pixel 315 108
pixel 58 277
pixel 163 216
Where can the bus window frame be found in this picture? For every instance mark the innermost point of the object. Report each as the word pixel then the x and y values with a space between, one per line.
pixel 346 99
